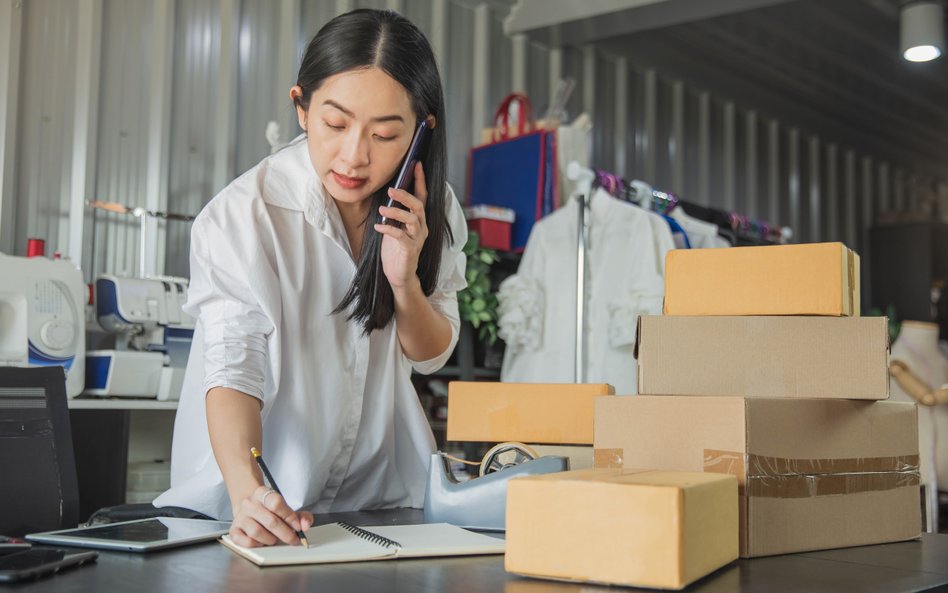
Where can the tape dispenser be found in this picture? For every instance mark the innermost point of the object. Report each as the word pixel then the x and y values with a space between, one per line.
pixel 481 503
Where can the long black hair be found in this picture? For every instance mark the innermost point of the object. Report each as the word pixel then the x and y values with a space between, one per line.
pixel 386 40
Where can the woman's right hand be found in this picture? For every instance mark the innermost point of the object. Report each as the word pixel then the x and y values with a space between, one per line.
pixel 263 519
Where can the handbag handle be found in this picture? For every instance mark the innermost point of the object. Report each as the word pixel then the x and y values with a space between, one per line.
pixel 502 116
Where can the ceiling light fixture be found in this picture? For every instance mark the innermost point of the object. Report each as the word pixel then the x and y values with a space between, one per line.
pixel 922 31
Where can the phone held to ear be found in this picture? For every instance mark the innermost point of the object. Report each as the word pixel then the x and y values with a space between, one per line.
pixel 406 173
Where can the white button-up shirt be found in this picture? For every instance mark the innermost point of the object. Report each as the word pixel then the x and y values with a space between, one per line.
pixel 343 428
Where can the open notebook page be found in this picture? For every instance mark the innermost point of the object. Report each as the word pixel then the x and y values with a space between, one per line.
pixel 333 543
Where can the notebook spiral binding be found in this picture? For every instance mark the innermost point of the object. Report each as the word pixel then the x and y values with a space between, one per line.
pixel 369 536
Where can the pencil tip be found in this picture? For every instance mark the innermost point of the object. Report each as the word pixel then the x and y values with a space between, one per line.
pixel 304 541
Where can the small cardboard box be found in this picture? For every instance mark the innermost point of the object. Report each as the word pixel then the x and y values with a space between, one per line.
pixel 802 357
pixel 808 279
pixel 813 474
pixel 552 414
pixel 622 527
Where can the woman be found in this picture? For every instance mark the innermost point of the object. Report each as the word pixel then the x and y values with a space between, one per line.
pixel 311 315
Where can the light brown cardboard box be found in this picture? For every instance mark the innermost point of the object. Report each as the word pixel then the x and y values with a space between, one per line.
pixel 627 527
pixel 554 414
pixel 804 357
pixel 813 474
pixel 807 279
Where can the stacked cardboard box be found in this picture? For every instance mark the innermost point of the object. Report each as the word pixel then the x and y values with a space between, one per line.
pixel 761 368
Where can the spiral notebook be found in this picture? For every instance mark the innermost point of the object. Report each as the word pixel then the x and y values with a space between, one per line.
pixel 341 542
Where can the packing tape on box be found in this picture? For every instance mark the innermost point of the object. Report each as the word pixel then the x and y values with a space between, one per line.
pixel 781 477
pixel 776 477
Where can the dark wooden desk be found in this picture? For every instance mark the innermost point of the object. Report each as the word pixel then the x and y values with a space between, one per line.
pixel 908 566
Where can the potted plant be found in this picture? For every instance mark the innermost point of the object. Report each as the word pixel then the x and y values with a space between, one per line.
pixel 477 304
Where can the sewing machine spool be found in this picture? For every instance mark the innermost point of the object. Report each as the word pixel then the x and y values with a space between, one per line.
pixel 506 455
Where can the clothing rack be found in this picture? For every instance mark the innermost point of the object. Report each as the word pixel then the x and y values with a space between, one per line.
pixel 583 178
pixel 737 228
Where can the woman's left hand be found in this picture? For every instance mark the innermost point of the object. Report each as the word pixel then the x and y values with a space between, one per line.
pixel 401 247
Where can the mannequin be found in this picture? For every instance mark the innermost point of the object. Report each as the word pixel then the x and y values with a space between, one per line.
pixel 917 348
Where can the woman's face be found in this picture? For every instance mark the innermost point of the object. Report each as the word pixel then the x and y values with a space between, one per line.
pixel 359 126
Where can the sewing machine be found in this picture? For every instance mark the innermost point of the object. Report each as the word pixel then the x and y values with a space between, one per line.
pixel 42 316
pixel 153 338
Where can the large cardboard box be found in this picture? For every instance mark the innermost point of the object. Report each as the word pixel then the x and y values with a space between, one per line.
pixel 804 357
pixel 808 279
pixel 625 527
pixel 813 474
pixel 554 414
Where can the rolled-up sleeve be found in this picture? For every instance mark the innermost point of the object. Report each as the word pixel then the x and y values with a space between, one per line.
pixel 451 279
pixel 222 298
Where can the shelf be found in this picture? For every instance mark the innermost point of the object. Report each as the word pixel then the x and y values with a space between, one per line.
pixel 124 403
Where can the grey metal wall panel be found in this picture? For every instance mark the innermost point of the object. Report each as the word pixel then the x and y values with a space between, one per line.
pixel 121 162
pixel 257 78
pixel 664 140
pixel 44 134
pixel 196 54
pixel 538 75
pixel 500 72
pixel 459 93
pixel 605 109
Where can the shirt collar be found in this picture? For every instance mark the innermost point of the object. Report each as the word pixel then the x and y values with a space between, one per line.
pixel 291 182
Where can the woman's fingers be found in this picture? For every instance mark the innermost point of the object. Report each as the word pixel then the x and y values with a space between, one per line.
pixel 266 519
pixel 410 222
pixel 421 184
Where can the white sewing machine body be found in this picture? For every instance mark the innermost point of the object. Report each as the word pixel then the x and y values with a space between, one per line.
pixel 42 316
pixel 154 338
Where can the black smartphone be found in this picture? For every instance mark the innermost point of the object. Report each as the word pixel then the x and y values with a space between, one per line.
pixel 417 151
pixel 37 562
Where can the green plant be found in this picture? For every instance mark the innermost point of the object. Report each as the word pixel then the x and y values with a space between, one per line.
pixel 477 304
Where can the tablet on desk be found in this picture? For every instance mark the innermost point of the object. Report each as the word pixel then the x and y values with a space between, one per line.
pixel 143 535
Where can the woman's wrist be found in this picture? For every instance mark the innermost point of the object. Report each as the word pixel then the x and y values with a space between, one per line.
pixel 412 288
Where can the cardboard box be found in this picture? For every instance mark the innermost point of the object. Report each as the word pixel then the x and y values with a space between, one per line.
pixel 623 527
pixel 808 279
pixel 803 357
pixel 580 456
pixel 813 474
pixel 552 414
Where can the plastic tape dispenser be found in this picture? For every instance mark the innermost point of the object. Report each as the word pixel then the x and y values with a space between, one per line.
pixel 481 503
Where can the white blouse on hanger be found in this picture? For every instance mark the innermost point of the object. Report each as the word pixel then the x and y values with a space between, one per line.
pixel 538 303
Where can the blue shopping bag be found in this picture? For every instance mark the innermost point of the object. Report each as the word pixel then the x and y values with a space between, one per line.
pixel 516 172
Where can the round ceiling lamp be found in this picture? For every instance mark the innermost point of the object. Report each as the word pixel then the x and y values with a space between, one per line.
pixel 922 31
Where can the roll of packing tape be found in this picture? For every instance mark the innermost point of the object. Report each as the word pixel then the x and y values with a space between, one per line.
pixel 504 455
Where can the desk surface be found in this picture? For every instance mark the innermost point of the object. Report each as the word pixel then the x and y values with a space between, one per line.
pixel 908 566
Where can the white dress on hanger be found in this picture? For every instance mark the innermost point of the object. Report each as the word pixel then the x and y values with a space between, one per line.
pixel 538 303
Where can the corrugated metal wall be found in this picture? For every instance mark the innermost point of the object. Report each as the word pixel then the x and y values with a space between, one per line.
pixel 227 79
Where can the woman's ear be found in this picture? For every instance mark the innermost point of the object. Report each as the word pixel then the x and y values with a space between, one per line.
pixel 296 96
pixel 432 121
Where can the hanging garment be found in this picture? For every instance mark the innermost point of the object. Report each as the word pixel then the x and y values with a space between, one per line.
pixel 679 236
pixel 702 234
pixel 538 303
